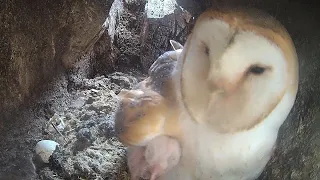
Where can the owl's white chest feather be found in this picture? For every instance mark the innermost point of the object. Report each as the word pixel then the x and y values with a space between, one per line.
pixel 239 156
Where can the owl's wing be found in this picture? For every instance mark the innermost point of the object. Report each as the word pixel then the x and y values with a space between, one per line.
pixel 163 66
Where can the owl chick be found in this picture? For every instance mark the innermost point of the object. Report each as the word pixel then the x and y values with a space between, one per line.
pixel 144 111
pixel 237 80
pixel 147 116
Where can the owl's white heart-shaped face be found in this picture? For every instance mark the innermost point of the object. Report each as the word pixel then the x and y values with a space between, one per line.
pixel 235 68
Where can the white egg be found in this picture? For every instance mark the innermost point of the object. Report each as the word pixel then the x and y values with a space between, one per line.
pixel 45 148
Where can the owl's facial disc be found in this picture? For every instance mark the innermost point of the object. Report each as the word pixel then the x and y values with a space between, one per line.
pixel 231 78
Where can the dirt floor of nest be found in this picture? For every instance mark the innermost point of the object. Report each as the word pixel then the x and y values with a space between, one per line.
pixel 80 118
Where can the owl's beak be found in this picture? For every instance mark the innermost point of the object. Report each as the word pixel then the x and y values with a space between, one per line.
pixel 223 85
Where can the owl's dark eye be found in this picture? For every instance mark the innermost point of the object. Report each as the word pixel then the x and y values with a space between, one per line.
pixel 257 70
pixel 207 51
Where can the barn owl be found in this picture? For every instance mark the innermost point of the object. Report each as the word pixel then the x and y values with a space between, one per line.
pixel 147 117
pixel 236 82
